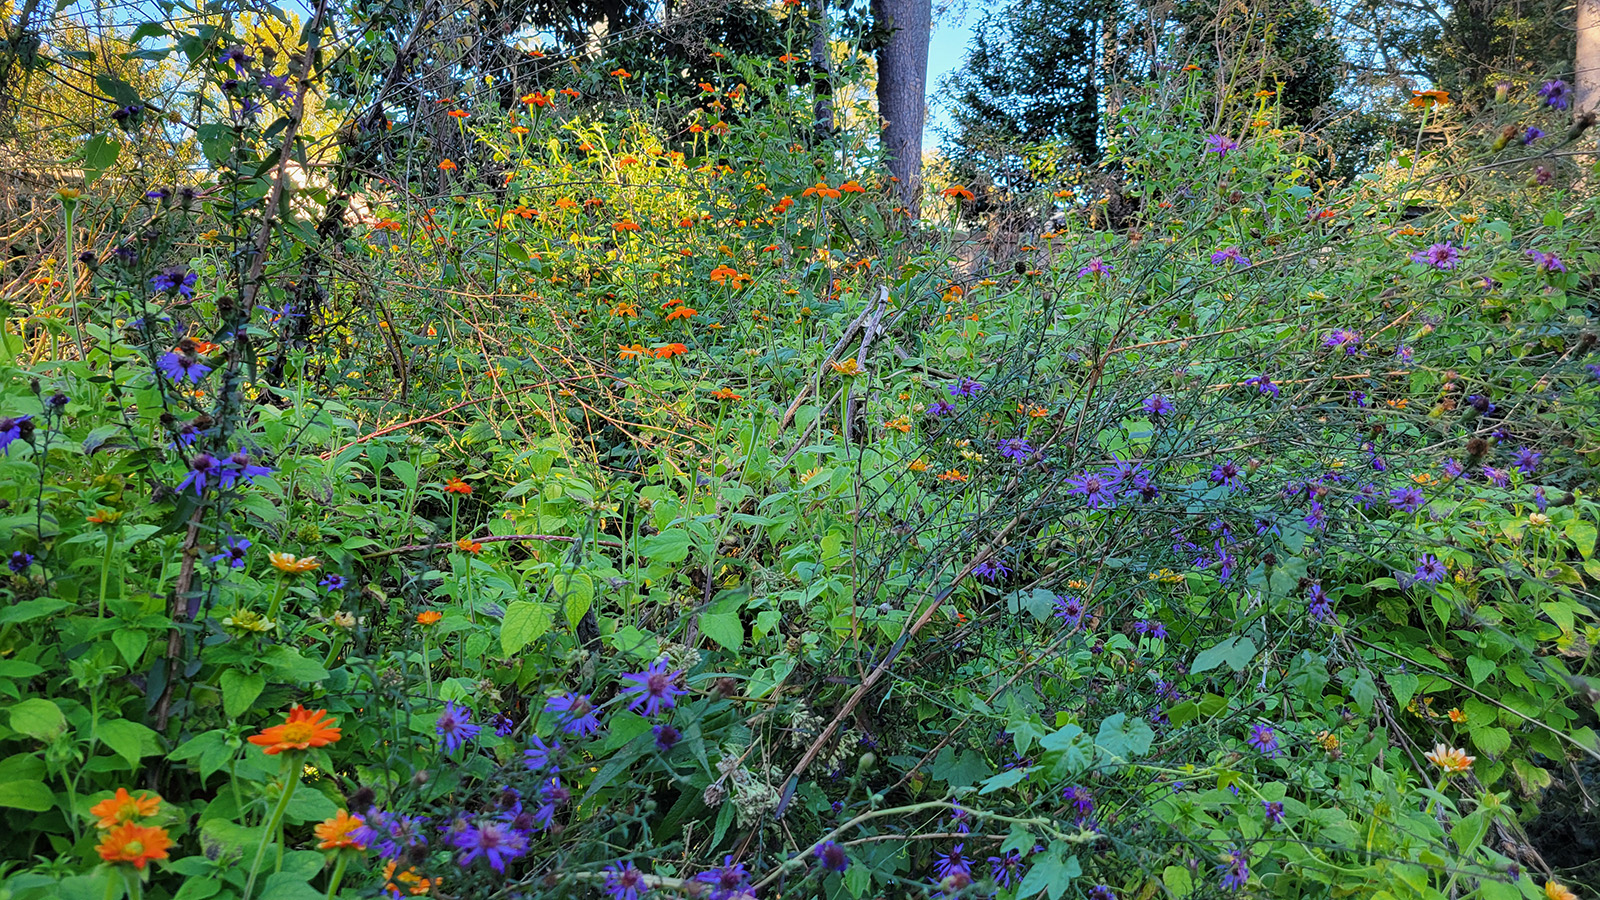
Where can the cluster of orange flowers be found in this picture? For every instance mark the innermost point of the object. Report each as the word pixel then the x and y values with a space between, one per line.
pixel 634 351
pixel 727 275
pixel 125 839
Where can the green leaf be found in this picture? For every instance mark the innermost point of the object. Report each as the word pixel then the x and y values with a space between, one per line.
pixel 1582 534
pixel 1235 651
pixel 670 546
pixel 1404 685
pixel 131 643
pixel 239 691
pixel 129 740
pixel 99 155
pixel 33 796
pixel 959 768
pixel 577 593
pixel 1050 872
pixel 1005 779
pixel 524 623
pixel 1492 741
pixel 724 628
pixel 293 667
pixel 1178 881
pixel 288 886
pixel 28 610
pixel 198 889
pixel 38 718
pixel 1480 668
pixel 1123 738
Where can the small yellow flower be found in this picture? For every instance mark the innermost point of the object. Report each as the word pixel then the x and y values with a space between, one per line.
pixel 1538 520
pixel 289 564
pixel 847 368
pixel 1457 715
pixel 1452 760
pixel 1328 740
pixel 249 620
pixel 1558 892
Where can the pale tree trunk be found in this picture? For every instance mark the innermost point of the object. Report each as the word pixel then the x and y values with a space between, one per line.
pixel 821 71
pixel 1587 59
pixel 902 91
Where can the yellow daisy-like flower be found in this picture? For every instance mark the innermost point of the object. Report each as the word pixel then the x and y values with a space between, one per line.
pixel 848 367
pixel 289 564
pixel 1558 892
pixel 1452 760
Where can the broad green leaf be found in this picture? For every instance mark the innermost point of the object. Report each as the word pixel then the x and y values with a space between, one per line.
pixel 524 623
pixel 724 628
pixel 131 643
pixel 576 591
pixel 129 740
pixel 38 718
pixel 1236 651
pixel 670 546
pixel 239 691
pixel 1124 738
pixel 33 796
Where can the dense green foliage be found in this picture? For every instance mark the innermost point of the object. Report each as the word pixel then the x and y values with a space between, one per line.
pixel 657 512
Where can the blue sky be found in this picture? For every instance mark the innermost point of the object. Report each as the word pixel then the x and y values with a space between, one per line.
pixel 952 30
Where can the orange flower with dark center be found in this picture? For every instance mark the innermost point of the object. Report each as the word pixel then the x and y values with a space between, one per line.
pixel 682 312
pixel 335 833
pixel 852 187
pixel 448 165
pixel 135 844
pixel 301 730
pixel 124 807
pixel 626 225
pixel 1429 99
pixel 821 189
pixel 429 617
pixel 625 309
pixel 670 350
pixel 454 485
pixel 725 394
pixel 469 545
pixel 958 191
pixel 458 114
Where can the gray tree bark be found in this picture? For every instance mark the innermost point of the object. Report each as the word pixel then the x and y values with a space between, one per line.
pixel 902 91
pixel 821 71
pixel 1587 59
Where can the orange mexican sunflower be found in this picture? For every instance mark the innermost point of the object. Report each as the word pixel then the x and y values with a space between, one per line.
pixel 821 189
pixel 458 114
pixel 519 129
pixel 956 190
pixel 788 58
pixel 901 424
pixel 620 73
pixel 847 367
pixel 770 248
pixel 725 394
pixel 469 545
pixel 669 351
pixel 1452 760
pixel 918 465
pixel 454 485
pixel 569 92
pixel 133 843
pixel 303 728
pixel 566 203
pixel 429 617
pixel 852 187
pixel 631 351
pixel 336 832
pixel 686 222
pixel 536 54
pixel 625 309
pixel 952 475
pixel 626 225
pixel 448 165
pixel 124 807
pixel 1556 891
pixel 1457 715
pixel 783 205
pixel 536 99
pixel 289 564
pixel 682 312
pixel 1427 99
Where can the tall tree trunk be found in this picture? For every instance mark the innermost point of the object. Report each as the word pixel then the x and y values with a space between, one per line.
pixel 1587 59
pixel 902 91
pixel 821 71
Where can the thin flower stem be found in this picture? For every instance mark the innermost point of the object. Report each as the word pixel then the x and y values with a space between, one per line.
pixel 338 874
pixel 275 823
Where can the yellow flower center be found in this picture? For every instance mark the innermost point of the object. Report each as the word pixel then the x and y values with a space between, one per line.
pixel 133 847
pixel 297 732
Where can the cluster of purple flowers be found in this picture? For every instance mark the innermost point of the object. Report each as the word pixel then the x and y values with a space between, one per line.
pixel 1101 488
pixel 1349 340
pixel 13 428
pixel 1235 870
pixel 1081 801
pixel 206 469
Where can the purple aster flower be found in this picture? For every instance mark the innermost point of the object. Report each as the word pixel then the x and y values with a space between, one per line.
pixel 492 839
pixel 1227 255
pixel 1546 262
pixel 238 57
pixel 575 713
pixel 1349 340
pixel 1264 739
pixel 203 466
pixel 504 724
pixel 1265 526
pixel 1430 569
pixel 959 820
pixel 667 737
pixel 1235 870
pixel 1069 609
pixel 1318 604
pixel 158 195
pixel 1359 398
pixel 624 882
pixel 276 85
pixel 455 727
pixel 1102 892
pixel 1082 803
pixel 1557 94
pixel 12 428
pixel 1007 869
pixel 1532 134
pixel 940 407
pixel 1439 256
pixel 966 388
pixel 991 570
pixel 1227 473
pixel 541 756
pixel 1482 404
pixel 185 436
pixel 233 550
pixel 1499 477
pixel 1263 383
pixel 832 856
pixel 19 562
pixel 1220 144
pixel 1527 460
pixel 1094 488
pixel 655 688
pixel 1096 266
pixel 181 367
pixel 176 280
pixel 334 582
pixel 1453 469
pixel 239 468
pixel 1016 449
pixel 1158 629
pixel 1542 176
pixel 1274 811
pixel 1539 500
pixel 728 881
pixel 953 862
pixel 1409 499
pixel 1403 353
pixel 391 834
pixel 1158 405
